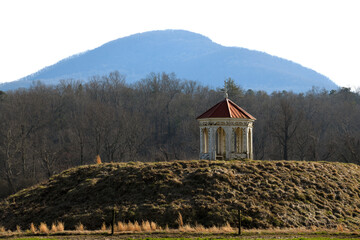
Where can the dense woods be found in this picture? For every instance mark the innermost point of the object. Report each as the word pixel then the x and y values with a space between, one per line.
pixel 46 129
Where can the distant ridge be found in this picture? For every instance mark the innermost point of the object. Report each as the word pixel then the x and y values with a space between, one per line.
pixel 189 55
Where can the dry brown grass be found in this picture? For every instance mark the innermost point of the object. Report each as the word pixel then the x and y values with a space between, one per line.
pixel 300 230
pixel 2 229
pixel 227 228
pixel 33 228
pixel 213 229
pixel 145 226
pixel 308 198
pixel 60 226
pixel 153 226
pixel 130 226
pixel 53 228
pixel 18 229
pixel 103 227
pixel 180 221
pixel 121 227
pixel 43 228
pixel 340 227
pixel 98 159
pixel 186 228
pixel 198 228
pixel 79 227
pixel 137 227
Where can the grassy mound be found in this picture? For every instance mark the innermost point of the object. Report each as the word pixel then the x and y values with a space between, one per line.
pixel 269 193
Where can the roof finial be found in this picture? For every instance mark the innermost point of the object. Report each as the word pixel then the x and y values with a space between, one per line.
pixel 226 92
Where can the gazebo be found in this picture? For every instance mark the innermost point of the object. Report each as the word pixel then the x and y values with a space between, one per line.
pixel 226 132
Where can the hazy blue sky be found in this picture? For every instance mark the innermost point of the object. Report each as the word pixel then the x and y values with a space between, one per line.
pixel 318 34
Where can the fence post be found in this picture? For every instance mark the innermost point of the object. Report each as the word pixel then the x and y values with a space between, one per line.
pixel 113 221
pixel 239 221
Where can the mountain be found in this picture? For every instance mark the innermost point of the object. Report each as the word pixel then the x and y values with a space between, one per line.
pixel 270 194
pixel 191 56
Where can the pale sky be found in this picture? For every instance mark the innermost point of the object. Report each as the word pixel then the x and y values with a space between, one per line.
pixel 323 35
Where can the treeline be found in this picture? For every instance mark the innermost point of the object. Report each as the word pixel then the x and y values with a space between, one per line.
pixel 46 129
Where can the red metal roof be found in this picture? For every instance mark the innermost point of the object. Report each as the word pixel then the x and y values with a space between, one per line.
pixel 226 109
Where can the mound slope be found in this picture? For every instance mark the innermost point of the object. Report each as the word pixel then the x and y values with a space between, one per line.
pixel 269 193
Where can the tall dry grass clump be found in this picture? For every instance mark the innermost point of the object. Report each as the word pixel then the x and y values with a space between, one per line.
pixel 186 228
pixel 145 226
pixel 180 221
pixel 18 229
pixel 98 159
pixel 60 226
pixel 43 228
pixel 2 229
pixel 53 228
pixel 340 227
pixel 130 226
pixel 153 226
pixel 213 229
pixel 199 228
pixel 121 227
pixel 33 228
pixel 137 227
pixel 79 227
pixel 103 227
pixel 227 228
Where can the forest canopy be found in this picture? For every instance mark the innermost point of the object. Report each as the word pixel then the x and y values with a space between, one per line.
pixel 46 129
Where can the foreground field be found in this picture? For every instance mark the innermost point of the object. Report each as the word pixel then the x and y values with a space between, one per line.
pixel 194 237
pixel 270 194
pixel 171 234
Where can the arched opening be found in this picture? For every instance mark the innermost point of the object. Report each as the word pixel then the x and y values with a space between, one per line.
pixel 238 140
pixel 205 140
pixel 220 143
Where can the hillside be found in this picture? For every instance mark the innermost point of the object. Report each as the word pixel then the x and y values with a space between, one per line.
pixel 191 56
pixel 270 193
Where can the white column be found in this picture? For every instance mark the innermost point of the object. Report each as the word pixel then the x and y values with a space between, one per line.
pixel 251 143
pixel 243 140
pixel 201 142
pixel 212 142
pixel 228 132
pixel 247 142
